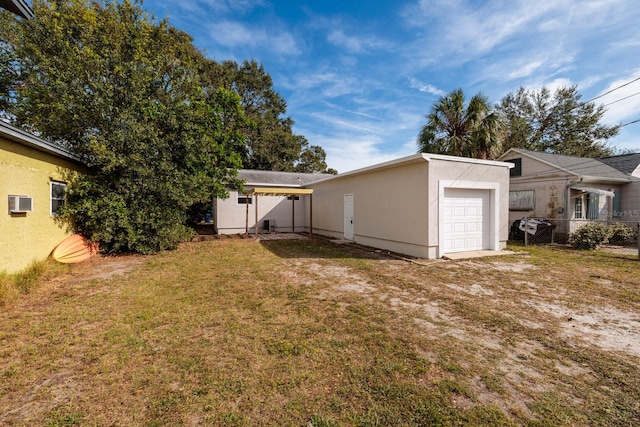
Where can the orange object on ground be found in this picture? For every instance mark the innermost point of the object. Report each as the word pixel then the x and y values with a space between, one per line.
pixel 74 249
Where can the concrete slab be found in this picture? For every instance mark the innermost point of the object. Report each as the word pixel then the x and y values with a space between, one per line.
pixel 475 254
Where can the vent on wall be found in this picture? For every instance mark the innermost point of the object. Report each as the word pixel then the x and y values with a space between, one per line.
pixel 20 204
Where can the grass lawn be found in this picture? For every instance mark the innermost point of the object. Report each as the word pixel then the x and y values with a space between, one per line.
pixel 308 333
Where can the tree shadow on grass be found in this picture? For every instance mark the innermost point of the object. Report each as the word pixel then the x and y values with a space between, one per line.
pixel 321 248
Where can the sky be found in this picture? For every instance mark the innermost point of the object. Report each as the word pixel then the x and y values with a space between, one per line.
pixel 359 77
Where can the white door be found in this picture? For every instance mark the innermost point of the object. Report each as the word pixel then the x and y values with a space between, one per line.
pixel 348 216
pixel 465 220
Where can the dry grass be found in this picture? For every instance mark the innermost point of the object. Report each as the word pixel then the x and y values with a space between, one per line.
pixel 234 332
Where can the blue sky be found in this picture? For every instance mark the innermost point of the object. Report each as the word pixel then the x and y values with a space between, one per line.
pixel 359 77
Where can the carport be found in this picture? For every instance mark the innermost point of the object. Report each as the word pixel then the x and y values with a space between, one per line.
pixel 279 191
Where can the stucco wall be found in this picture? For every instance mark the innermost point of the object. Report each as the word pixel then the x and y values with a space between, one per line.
pixel 230 216
pixel 31 236
pixel 390 208
pixel 469 175
pixel 549 185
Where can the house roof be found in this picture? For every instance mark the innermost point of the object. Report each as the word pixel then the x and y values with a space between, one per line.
pixel 626 163
pixel 417 158
pixel 279 179
pixel 581 166
pixel 30 140
pixel 19 7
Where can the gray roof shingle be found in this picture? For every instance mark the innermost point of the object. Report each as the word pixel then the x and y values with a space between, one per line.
pixel 279 179
pixel 626 163
pixel 582 166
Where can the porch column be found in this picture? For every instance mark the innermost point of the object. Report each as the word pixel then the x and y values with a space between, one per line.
pixel 256 197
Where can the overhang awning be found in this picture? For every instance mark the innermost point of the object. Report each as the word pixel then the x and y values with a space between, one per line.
pixel 279 191
pixel 594 190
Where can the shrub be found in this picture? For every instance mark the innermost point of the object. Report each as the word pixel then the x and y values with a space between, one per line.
pixel 590 236
pixel 621 232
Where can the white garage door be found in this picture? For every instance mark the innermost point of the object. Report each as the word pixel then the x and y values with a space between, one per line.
pixel 465 220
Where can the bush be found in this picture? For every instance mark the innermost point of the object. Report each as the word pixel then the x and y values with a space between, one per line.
pixel 594 234
pixel 590 236
pixel 621 232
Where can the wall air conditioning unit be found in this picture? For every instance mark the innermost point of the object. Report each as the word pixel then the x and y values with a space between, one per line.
pixel 20 204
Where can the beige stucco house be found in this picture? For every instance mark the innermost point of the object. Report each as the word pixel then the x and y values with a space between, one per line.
pixel 422 205
pixel 33 177
pixel 571 191
pixel 242 210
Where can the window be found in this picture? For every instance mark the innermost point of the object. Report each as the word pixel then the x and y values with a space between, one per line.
pixel 578 207
pixel 617 204
pixel 245 200
pixel 57 196
pixel 593 206
pixel 517 169
pixel 522 200
pixel 293 197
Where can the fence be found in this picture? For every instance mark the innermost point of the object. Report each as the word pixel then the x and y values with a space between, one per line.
pixel 581 234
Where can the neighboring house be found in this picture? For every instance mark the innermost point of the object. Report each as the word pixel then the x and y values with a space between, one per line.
pixel 422 205
pixel 238 213
pixel 19 7
pixel 571 191
pixel 33 177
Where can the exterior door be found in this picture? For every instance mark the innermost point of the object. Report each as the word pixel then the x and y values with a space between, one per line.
pixel 466 217
pixel 348 217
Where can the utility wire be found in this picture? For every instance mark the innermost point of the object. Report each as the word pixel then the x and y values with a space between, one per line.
pixel 612 90
pixel 622 99
pixel 629 123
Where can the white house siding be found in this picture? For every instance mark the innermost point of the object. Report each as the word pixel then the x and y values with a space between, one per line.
pixel 230 216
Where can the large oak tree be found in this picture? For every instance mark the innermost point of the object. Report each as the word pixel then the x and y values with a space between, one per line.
pixel 556 122
pixel 124 92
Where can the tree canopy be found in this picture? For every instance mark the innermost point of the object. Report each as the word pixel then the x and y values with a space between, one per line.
pixel 124 92
pixel 161 127
pixel 271 143
pixel 555 123
pixel 461 129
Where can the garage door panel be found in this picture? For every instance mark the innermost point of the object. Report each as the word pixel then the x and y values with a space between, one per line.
pixel 465 222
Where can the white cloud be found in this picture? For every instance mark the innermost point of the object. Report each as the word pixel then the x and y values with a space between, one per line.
pixel 624 103
pixel 354 44
pixel 330 84
pixel 525 70
pixel 235 34
pixel 347 152
pixel 425 87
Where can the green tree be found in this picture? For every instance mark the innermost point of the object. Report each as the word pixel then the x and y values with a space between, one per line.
pixel 271 143
pixel 555 123
pixel 125 92
pixel 459 129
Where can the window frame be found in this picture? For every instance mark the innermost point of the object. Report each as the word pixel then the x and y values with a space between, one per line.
pixel 244 198
pixel 523 207
pixel 61 200
pixel 517 169
pixel 578 207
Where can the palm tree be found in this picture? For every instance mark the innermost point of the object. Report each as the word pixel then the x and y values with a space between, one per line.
pixel 452 128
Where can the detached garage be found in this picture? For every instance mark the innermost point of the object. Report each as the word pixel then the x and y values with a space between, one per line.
pixel 424 205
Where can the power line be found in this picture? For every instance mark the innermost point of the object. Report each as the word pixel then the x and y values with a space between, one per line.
pixel 612 90
pixel 622 99
pixel 629 123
